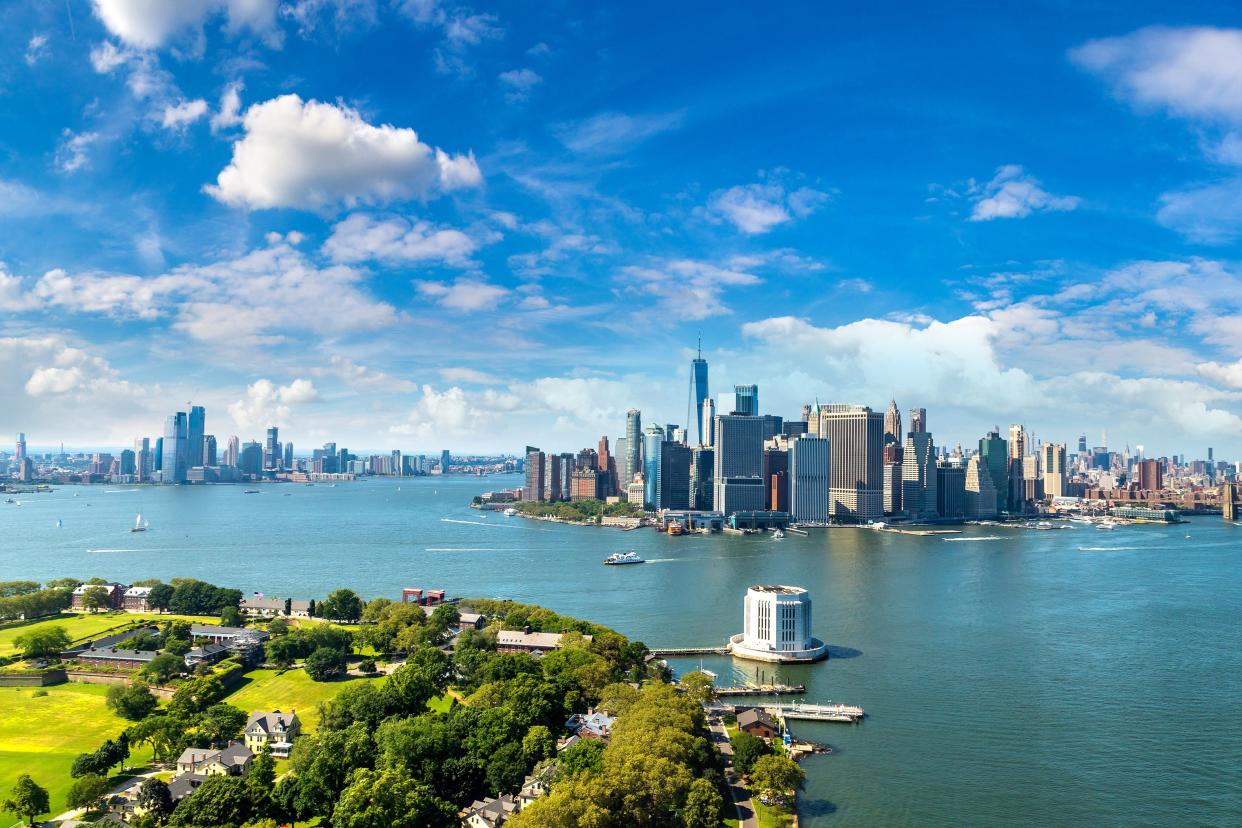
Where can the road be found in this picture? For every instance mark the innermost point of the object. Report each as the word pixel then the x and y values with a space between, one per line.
pixel 741 796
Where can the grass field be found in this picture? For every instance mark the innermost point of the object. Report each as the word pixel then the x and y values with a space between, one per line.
pixel 88 625
pixel 290 690
pixel 42 736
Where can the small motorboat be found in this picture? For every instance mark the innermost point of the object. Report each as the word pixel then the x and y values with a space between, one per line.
pixel 622 558
pixel 1106 524
pixel 511 512
pixel 778 534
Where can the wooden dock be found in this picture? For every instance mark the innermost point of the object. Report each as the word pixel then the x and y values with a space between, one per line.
pixel 820 712
pixel 666 652
pixel 762 690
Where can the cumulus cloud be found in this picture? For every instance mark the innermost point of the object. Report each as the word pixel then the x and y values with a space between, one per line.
pixel 180 115
pixel 361 237
pixel 149 24
pixel 268 404
pixel 758 208
pixel 454 412
pixel 682 288
pixel 1226 374
pixel 74 151
pixel 1013 194
pixel 313 156
pixel 519 83
pixel 363 377
pixel 562 245
pixel 463 294
pixel 610 133
pixel 229 114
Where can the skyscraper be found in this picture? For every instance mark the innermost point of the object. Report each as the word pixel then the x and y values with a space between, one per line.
pixel 698 391
pixel 918 420
pixel 194 436
pixel 856 446
pixel 981 493
pixel 653 443
pixel 1054 469
pixel 176 449
pixel 209 450
pixel 892 424
pixel 536 462
pixel 271 448
pixel 746 400
pixel 809 474
pixel 701 493
pixel 707 424
pixel 20 453
pixel 1016 496
pixel 918 476
pixel 142 459
pixel 737 473
pixel 607 469
pixel 288 458
pixel 633 444
pixel 994 452
pixel 674 488
pixel 233 455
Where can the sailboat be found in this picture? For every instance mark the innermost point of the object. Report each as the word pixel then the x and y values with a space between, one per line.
pixel 140 525
pixel 59 523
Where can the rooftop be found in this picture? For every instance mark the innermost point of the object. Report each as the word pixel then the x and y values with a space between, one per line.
pixel 778 589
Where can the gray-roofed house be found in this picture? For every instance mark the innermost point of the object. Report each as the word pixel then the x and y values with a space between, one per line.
pixel 233 760
pixel 594 724
pixel 276 729
pixel 206 654
pixel 488 813
pixel 182 786
pixel 518 641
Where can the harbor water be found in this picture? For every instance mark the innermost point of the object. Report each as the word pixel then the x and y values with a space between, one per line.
pixel 1010 676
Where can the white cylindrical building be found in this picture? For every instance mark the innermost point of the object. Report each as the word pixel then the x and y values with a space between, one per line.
pixel 777 626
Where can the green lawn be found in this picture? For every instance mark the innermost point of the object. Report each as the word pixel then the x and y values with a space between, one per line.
pixel 290 690
pixel 89 625
pixel 42 736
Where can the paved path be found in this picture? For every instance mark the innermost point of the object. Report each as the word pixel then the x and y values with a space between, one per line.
pixel 123 786
pixel 741 796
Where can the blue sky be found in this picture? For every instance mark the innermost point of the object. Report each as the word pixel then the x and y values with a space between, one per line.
pixel 408 223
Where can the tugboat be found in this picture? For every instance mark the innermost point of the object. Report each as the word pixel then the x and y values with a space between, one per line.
pixel 622 558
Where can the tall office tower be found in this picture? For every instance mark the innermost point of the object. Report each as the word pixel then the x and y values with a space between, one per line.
pixel 195 429
pixel 20 453
pixel 633 444
pixel 809 472
pixel 250 459
pixel 446 460
pixel 772 425
pixel 698 393
pixel 271 452
pixel 342 460
pixel 1032 479
pixel 950 490
pixel 142 459
pixel 737 467
pixel 127 465
pixel 608 472
pixel 176 450
pixel 1082 444
pixel 746 400
pixel 806 413
pixel 918 420
pixel 918 476
pixel 995 454
pixel 157 455
pixel 701 460
pixel 653 443
pixel 1016 496
pixel 209 450
pixel 288 458
pixel 981 495
pixel 776 479
pixel 892 482
pixel 234 451
pixel 892 425
pixel 856 442
pixel 707 424
pixel 619 451
pixel 1054 470
pixel 1149 476
pixel 536 463
pixel 674 488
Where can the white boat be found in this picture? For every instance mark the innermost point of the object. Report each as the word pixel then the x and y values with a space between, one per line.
pixel 510 512
pixel 1106 524
pixel 60 523
pixel 778 534
pixel 622 558
pixel 140 525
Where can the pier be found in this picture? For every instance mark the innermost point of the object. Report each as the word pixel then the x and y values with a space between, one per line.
pixel 688 651
pixel 762 690
pixel 820 712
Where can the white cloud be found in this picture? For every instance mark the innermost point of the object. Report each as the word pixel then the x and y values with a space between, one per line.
pixel 36 49
pixel 74 151
pixel 229 114
pixel 681 288
pixel 562 246
pixel 1013 194
pixel 519 82
pixel 149 24
pixel 361 237
pixel 180 115
pixel 461 28
pixel 362 377
pixel 1210 214
pixel 268 404
pixel 316 155
pixel 757 208
pixel 614 132
pixel 1194 72
pixel 1227 374
pixel 473 375
pixel 463 294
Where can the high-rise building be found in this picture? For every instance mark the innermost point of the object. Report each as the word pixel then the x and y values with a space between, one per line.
pixel 738 462
pixel 918 476
pixel 776 479
pixel 446 460
pixel 707 424
pixel 1082 444
pixel 856 444
pixel 288 458
pixel 1150 477
pixel 209 450
pixel 918 420
pixel 250 459
pixel 892 480
pixel 1016 496
pixel 701 494
pixel 981 495
pixel 607 470
pixel 536 468
pixel 746 400
pixel 674 488
pixel 176 449
pixel 233 455
pixel 698 392
pixel 127 466
pixel 1054 469
pixel 271 448
pixel 892 426
pixel 950 490
pixel 633 444
pixel 20 453
pixel 195 428
pixel 142 459
pixel 157 456
pixel 809 473
pixel 995 453
pixel 653 444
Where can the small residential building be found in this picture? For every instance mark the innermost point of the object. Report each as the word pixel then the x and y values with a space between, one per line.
pixel 533 787
pixel 135 599
pixel 488 813
pixel 261 607
pixel 206 654
pixel 275 729
pixel 226 635
pixel 182 786
pixel 116 658
pixel 593 724
pixel 519 641
pixel 464 619
pixel 233 760
pixel 116 596
pixel 758 723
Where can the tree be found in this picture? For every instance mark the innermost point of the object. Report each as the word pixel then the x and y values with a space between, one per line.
pixel 375 609
pixel 220 800
pixel 96 597
pixel 538 744
pixel 311 609
pixel 342 605
pixel 86 791
pixel 288 606
pixel 47 642
pixel 221 723
pixel 27 799
pixel 584 757
pixel 776 774
pixel 134 702
pixel 699 686
pixel 282 651
pixel 505 768
pixel 230 617
pixel 379 799
pixel 164 667
pixel 160 597
pixel 704 806
pixel 261 777
pixel 325 664
pixel 10 588
pixel 155 798
pixel 746 750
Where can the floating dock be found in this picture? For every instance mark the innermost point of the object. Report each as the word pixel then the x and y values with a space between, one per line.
pixel 668 652
pixel 762 690
pixel 820 712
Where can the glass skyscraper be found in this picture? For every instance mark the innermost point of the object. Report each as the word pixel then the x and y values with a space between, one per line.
pixel 746 400
pixel 194 436
pixel 653 443
pixel 698 394
pixel 633 445
pixel 175 448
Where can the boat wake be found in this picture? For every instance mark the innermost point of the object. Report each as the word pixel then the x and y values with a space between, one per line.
pixel 1108 548
pixel 94 551
pixel 663 560
pixel 462 549
pixel 120 491
pixel 983 538
pixel 479 523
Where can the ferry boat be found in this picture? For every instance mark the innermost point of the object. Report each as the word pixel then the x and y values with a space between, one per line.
pixel 1106 524
pixel 140 525
pixel 622 558
pixel 675 528
pixel 511 512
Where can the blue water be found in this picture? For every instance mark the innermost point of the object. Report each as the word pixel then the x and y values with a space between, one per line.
pixel 1065 678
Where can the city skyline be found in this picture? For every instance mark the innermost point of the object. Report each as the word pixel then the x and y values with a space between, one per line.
pixel 551 207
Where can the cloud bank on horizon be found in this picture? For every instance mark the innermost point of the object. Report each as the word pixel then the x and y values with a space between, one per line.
pixel 415 224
